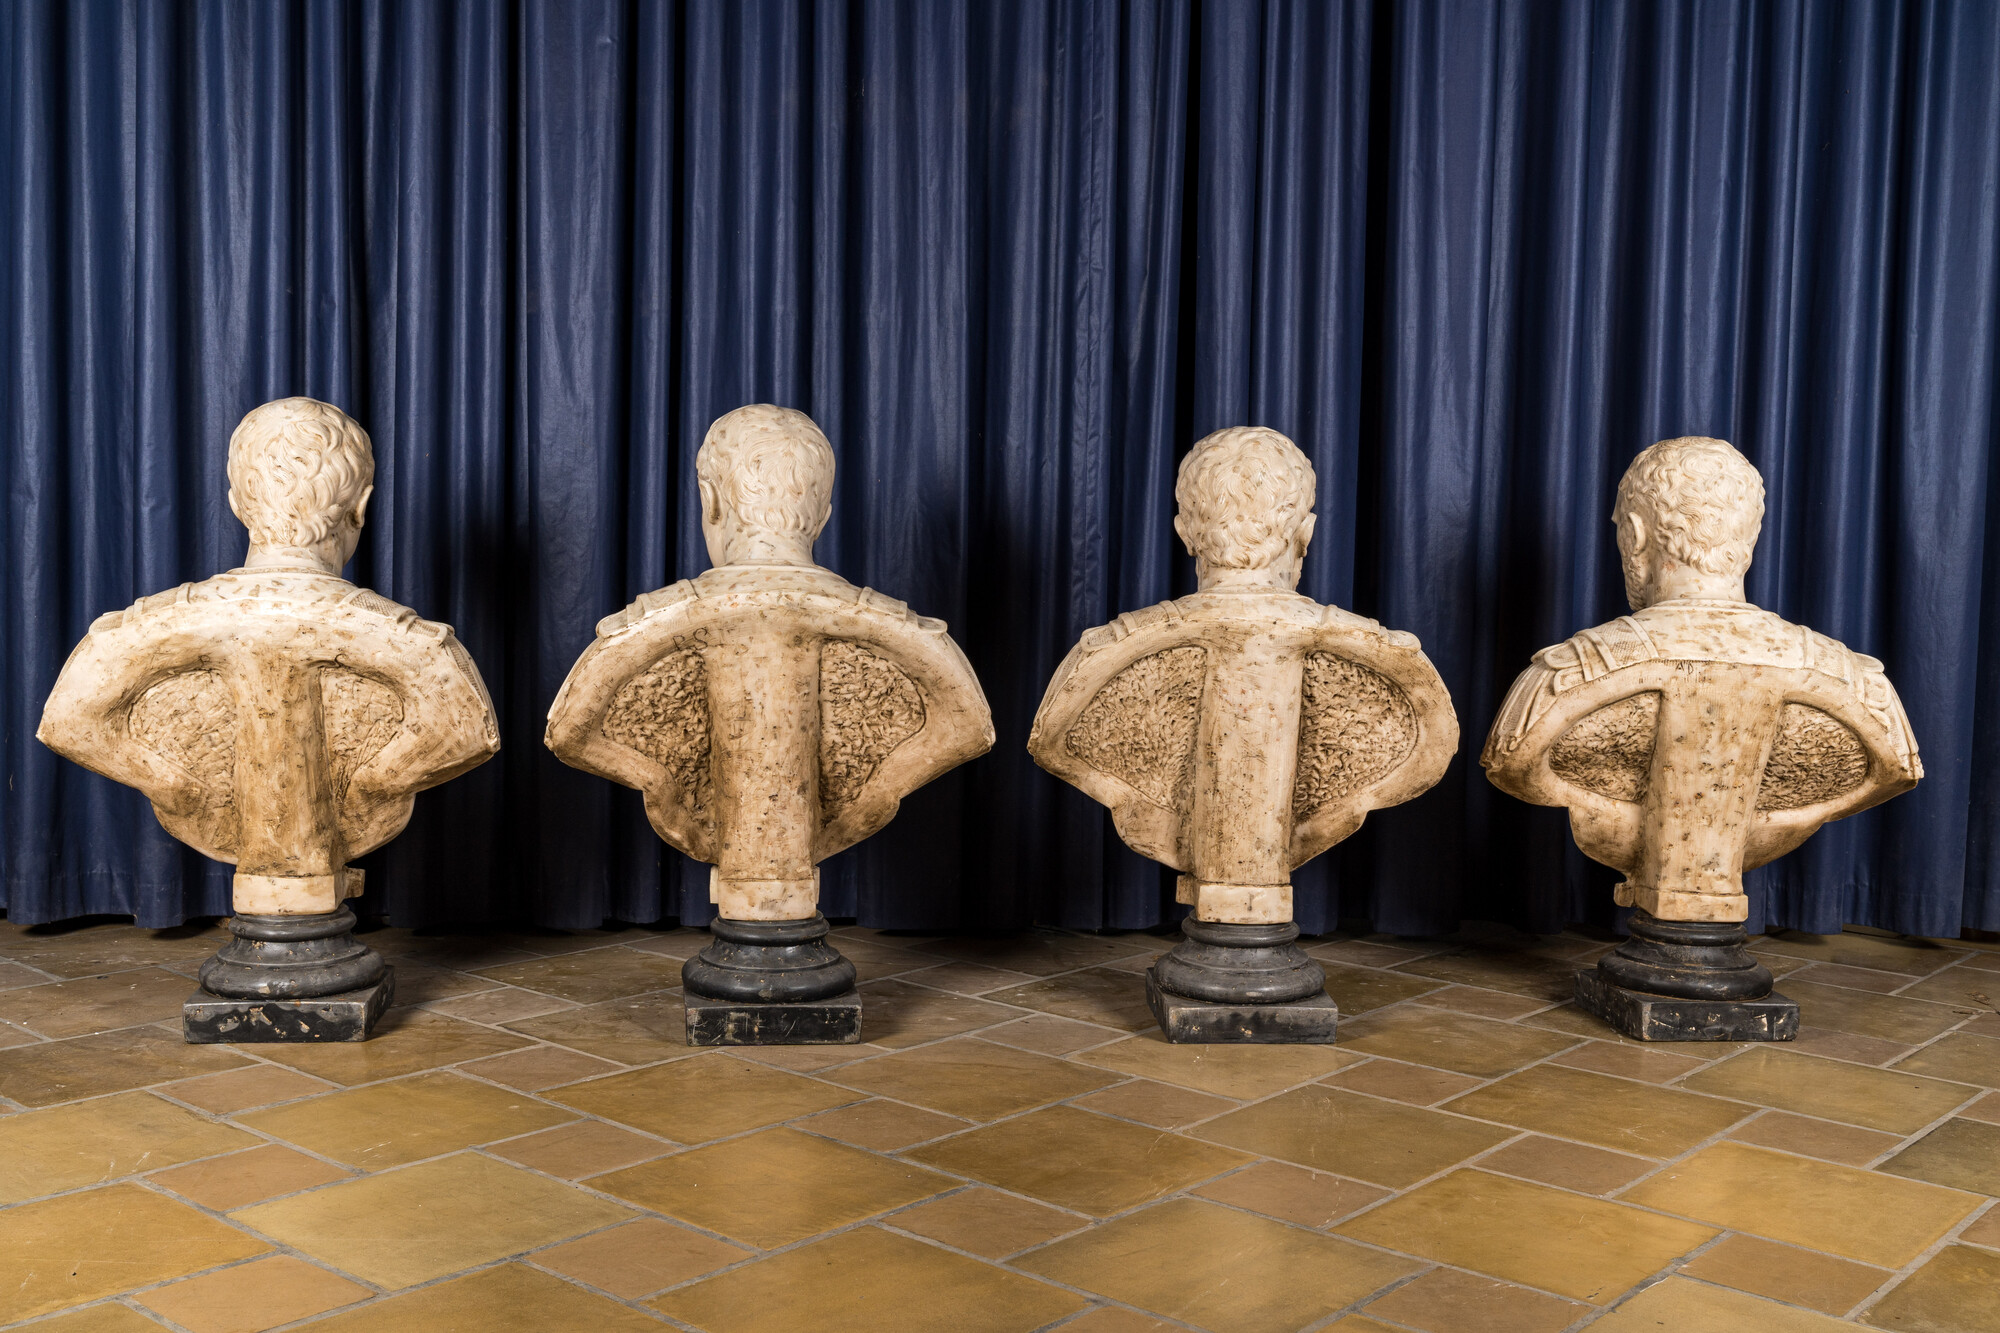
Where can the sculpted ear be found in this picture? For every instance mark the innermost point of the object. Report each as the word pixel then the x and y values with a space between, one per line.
pixel 711 503
pixel 1635 527
pixel 234 507
pixel 360 509
pixel 1180 529
pixel 1304 536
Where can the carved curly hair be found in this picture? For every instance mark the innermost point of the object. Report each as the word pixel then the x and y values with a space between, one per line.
pixel 771 465
pixel 297 468
pixel 1703 499
pixel 1243 492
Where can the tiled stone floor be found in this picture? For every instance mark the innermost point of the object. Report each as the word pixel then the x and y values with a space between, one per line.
pixel 527 1146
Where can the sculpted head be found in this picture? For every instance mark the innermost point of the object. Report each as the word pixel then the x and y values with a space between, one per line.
pixel 1688 514
pixel 300 474
pixel 1246 499
pixel 766 478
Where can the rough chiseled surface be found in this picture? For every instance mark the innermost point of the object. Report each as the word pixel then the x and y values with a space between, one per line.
pixel 663 714
pixel 867 707
pixel 1355 726
pixel 1610 752
pixel 1140 727
pixel 1813 758
pixel 190 719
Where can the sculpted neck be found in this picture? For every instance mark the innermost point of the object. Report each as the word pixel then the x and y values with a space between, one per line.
pixel 1676 583
pixel 765 548
pixel 1283 577
pixel 327 556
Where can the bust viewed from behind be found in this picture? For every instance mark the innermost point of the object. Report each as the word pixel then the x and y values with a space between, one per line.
pixel 282 719
pixel 773 714
pixel 1696 738
pixel 1239 732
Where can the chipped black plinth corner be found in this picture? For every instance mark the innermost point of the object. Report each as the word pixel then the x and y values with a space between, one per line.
pixel 1308 1022
pixel 1645 1016
pixel 834 1021
pixel 207 1018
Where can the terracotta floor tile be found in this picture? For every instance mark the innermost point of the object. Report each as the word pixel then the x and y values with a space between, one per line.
pixel 636 1031
pixel 60 1071
pixel 1783 1273
pixel 1610 1112
pixel 966 978
pixel 13 1036
pixel 1360 1323
pixel 502 1005
pixel 1482 1003
pixel 881 1126
pixel 96 1004
pixel 1848 1046
pixel 1691 1307
pixel 408 1040
pixel 693 1101
pixel 1854 978
pixel 1586 1249
pixel 811 1059
pixel 1051 1035
pixel 1984 1230
pixel 512 1298
pixel 1546 979
pixel 977 1080
pixel 1862 1215
pixel 242 1088
pixel 639 1258
pixel 683 942
pixel 1646 1064
pixel 1568 1018
pixel 1570 1166
pixel 1400 1082
pixel 417 984
pixel 43 1152
pixel 106 1318
pixel 240 1178
pixel 1815 1138
pixel 402 1227
pixel 1959 1056
pixel 1111 1319
pixel 1041 953
pixel 1218 1268
pixel 94 950
pixel 15 974
pixel 1956 1292
pixel 63 1252
pixel 1960 1154
pixel 1292 1193
pixel 1445 1300
pixel 580 1148
pixel 874 959
pixel 986 1222
pixel 1360 990
pixel 538 1067
pixel 1351 1135
pixel 897 1014
pixel 592 977
pixel 868 1281
pixel 1884 1099
pixel 1364 953
pixel 1242 1072
pixel 249 1298
pixel 1452 1041
pixel 1087 1163
pixel 1098 995
pixel 1160 1105
pixel 1905 1018
pixel 773 1188
pixel 1987 1108
pixel 406 1120
pixel 1913 958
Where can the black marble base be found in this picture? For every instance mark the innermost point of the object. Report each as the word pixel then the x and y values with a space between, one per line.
pixel 1648 1017
pixel 350 1016
pixel 835 1021
pixel 1309 1021
pixel 765 962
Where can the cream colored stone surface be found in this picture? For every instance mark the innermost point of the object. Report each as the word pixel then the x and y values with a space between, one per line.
pixel 1701 735
pixel 1239 732
pixel 771 712
pixel 277 716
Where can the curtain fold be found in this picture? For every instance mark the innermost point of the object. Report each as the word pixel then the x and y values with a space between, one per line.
pixel 1014 258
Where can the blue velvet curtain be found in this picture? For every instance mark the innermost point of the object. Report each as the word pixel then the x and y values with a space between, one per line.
pixel 1014 256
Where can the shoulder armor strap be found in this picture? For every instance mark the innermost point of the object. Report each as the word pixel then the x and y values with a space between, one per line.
pixel 647 604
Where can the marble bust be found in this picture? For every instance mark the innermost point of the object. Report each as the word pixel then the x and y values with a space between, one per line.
pixel 773 714
pixel 1693 739
pixel 282 719
pixel 1239 732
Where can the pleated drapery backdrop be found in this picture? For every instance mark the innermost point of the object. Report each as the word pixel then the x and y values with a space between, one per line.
pixel 1015 257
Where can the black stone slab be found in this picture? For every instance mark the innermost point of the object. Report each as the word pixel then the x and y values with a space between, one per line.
pixel 1648 1017
pixel 207 1019
pixel 764 962
pixel 835 1021
pixel 1307 1022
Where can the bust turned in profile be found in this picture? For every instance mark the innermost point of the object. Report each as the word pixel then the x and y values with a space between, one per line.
pixel 773 714
pixel 1695 738
pixel 1238 733
pixel 280 718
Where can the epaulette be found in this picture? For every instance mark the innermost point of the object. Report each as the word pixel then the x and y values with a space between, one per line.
pixel 647 604
pixel 1131 622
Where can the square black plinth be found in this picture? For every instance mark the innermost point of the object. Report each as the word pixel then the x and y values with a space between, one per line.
pixel 1669 1018
pixel 834 1022
pixel 349 1016
pixel 1297 1022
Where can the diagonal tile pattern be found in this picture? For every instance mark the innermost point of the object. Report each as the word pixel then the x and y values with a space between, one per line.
pixel 528 1146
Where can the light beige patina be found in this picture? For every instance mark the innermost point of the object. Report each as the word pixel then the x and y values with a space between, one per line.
pixel 1699 736
pixel 1239 732
pixel 277 716
pixel 771 712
